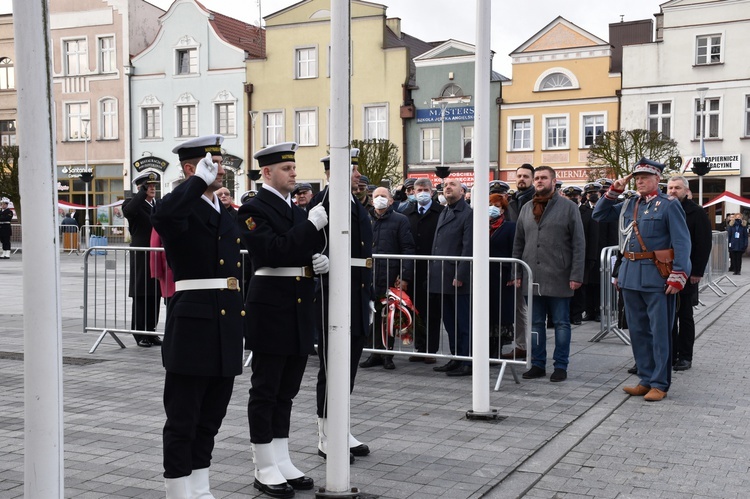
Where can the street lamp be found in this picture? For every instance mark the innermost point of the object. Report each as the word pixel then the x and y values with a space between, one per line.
pixel 442 102
pixel 252 174
pixel 701 167
pixel 86 176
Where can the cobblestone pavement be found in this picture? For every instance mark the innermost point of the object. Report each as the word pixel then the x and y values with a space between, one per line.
pixel 580 438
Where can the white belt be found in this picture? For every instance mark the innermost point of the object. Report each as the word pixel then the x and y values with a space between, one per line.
pixel 362 262
pixel 217 283
pixel 285 272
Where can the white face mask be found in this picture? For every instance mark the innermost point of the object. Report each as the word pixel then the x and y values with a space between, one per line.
pixel 423 198
pixel 494 212
pixel 380 203
pixel 442 199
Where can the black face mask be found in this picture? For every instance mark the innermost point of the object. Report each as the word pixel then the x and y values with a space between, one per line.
pixel 593 198
pixel 575 200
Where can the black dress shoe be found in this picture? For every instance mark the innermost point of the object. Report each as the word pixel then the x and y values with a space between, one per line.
pixel 634 369
pixel 155 340
pixel 534 372
pixel 351 456
pixel 360 450
pixel 371 361
pixel 283 490
pixel 576 322
pixel 558 375
pixel 301 483
pixel 682 365
pixel 461 371
pixel 452 365
pixel 143 342
pixel 388 364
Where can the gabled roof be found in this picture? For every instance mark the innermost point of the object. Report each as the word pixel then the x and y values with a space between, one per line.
pixel 449 48
pixel 415 46
pixel 560 34
pixel 247 37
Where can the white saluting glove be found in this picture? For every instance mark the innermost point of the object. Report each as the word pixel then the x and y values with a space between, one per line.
pixel 318 217
pixel 372 311
pixel 320 263
pixel 207 169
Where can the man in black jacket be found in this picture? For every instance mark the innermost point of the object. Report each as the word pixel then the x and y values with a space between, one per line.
pixel 202 350
pixel 683 331
pixel 524 191
pixel 143 288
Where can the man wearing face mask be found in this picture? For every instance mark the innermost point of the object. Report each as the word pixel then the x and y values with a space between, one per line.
pixel 423 217
pixel 391 235
pixel 411 198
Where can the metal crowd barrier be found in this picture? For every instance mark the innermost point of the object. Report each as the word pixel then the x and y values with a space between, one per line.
pixel 70 239
pixel 718 265
pixel 15 238
pixel 102 235
pixel 609 298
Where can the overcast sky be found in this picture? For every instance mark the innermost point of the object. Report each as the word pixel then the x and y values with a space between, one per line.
pixel 432 20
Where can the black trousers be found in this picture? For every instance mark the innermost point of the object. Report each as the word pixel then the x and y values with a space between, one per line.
pixel 735 261
pixel 5 240
pixel 195 407
pixel 427 322
pixel 144 314
pixel 275 382
pixel 357 344
pixel 683 331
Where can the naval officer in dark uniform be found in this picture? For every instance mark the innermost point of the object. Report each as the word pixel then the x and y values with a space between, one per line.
pixel 648 223
pixel 202 350
pixel 362 303
pixel 285 245
pixel 143 289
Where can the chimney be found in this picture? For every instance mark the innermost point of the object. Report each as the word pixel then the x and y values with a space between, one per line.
pixel 394 24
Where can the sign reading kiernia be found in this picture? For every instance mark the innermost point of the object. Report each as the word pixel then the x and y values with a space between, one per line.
pixel 432 115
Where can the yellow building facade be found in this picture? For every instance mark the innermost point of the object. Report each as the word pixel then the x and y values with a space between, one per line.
pixel 561 97
pixel 290 93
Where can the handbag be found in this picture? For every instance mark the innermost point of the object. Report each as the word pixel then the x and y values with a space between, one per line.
pixel 662 258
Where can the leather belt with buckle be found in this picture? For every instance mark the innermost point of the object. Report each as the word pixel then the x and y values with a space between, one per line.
pixel 231 283
pixel 285 272
pixel 362 262
pixel 646 255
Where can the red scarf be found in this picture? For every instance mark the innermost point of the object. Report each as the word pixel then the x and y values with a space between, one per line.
pixel 495 224
pixel 540 203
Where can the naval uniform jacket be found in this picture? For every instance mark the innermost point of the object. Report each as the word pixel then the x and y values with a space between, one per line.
pixel 6 216
pixel 661 222
pixel 453 237
pixel 361 247
pixel 280 309
pixel 138 213
pixel 204 330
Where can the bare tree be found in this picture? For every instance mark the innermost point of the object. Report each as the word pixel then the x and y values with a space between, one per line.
pixel 614 153
pixel 9 177
pixel 379 160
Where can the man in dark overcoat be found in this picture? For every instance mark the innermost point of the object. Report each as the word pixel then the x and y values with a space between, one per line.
pixel 285 247
pixel 143 289
pixel 202 350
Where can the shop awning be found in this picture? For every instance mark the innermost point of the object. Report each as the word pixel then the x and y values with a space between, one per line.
pixel 727 196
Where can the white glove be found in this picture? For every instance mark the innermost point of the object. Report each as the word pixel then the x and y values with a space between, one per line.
pixel 207 169
pixel 320 263
pixel 318 217
pixel 372 311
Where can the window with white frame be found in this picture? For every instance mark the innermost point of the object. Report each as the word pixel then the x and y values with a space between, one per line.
pixel 151 122
pixel 186 61
pixel 75 112
pixel 712 118
pixel 107 60
pixel 708 49
pixel 187 121
pixel 76 57
pixel 225 119
pixel 592 126
pixel 376 122
pixel 660 117
pixel 747 116
pixel 520 134
pixel 7 132
pixel 467 141
pixel 306 123
pixel 556 81
pixel 306 62
pixel 7 74
pixel 108 119
pixel 273 128
pixel 556 131
pixel 430 144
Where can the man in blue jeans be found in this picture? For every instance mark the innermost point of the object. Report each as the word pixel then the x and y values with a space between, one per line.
pixel 549 235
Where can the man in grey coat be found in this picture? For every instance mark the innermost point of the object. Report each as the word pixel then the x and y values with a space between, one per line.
pixel 451 279
pixel 549 235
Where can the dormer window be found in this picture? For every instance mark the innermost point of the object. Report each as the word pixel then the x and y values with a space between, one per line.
pixel 556 81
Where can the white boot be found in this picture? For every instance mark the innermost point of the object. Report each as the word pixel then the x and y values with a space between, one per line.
pixel 6 254
pixel 283 461
pixel 357 448
pixel 323 436
pixel 199 487
pixel 178 488
pixel 266 470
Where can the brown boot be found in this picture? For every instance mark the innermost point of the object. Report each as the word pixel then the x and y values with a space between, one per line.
pixel 637 390
pixel 655 395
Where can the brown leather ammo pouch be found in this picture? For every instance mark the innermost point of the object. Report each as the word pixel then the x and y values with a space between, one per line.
pixel 663 260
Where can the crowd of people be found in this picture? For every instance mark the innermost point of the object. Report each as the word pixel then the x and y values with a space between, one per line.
pixel 279 310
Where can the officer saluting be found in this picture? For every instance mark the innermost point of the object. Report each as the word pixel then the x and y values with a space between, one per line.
pixel 202 349
pixel 285 245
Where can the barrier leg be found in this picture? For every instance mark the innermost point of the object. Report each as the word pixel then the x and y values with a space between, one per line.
pixel 101 337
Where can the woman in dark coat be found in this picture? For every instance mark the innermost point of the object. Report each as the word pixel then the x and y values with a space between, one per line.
pixel 502 306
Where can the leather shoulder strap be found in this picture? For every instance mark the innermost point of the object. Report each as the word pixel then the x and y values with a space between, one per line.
pixel 635 226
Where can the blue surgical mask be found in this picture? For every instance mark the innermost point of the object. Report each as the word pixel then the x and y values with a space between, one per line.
pixel 412 198
pixel 423 198
pixel 494 212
